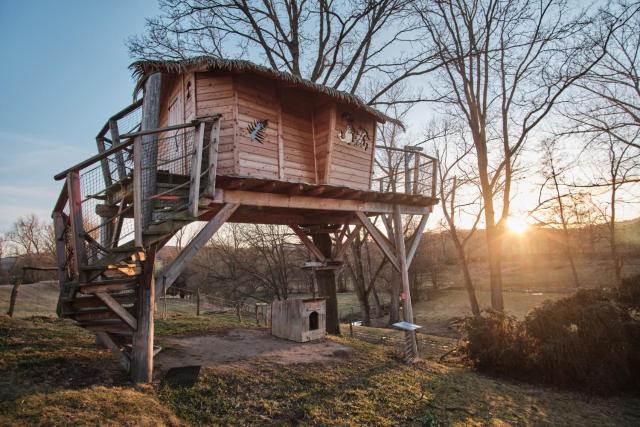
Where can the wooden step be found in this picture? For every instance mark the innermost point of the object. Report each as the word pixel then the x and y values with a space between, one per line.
pixel 108 286
pixel 106 325
pixel 91 315
pixel 90 301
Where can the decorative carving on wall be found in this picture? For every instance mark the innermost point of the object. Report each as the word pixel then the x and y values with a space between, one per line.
pixel 256 130
pixel 350 135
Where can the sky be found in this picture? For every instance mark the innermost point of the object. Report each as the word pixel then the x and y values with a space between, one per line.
pixel 64 72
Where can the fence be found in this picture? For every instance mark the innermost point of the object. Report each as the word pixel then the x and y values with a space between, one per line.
pixel 197 303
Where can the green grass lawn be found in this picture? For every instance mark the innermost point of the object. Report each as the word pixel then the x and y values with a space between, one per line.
pixel 51 374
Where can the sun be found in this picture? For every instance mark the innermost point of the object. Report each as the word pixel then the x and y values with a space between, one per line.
pixel 517 224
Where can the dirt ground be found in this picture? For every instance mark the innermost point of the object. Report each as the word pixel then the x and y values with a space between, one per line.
pixel 219 349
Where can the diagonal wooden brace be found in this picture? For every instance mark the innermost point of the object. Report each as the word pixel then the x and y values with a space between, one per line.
pixel 173 270
pixel 308 243
pixel 383 243
pixel 117 309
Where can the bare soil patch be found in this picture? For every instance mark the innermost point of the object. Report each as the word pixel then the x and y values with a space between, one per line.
pixel 234 345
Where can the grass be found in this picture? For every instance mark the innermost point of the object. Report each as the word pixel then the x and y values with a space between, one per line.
pixel 51 374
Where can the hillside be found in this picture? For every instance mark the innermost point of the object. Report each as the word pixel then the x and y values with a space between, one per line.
pixel 51 374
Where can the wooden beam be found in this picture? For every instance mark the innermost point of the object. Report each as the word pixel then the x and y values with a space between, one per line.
pixel 173 270
pixel 308 243
pixel 61 259
pixel 380 240
pixel 137 193
pixel 120 355
pixel 412 351
pixel 313 203
pixel 104 163
pixel 196 168
pixel 62 198
pixel 77 224
pixel 214 144
pixel 117 309
pixel 143 336
pixel 148 155
pixel 280 138
pixel 342 247
pixel 415 240
pixel 115 138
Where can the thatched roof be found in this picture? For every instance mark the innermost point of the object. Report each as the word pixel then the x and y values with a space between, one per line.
pixel 142 69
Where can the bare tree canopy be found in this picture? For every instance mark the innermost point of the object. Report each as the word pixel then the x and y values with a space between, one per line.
pixel 506 64
pixel 608 103
pixel 359 46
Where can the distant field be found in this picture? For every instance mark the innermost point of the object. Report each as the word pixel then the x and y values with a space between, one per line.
pixel 540 273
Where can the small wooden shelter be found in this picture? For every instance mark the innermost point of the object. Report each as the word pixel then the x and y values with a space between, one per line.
pixel 224 141
pixel 300 320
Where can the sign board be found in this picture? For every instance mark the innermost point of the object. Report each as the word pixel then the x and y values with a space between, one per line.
pixel 406 326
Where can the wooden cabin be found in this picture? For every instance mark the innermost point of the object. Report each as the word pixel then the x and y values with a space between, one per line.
pixel 272 125
pixel 300 320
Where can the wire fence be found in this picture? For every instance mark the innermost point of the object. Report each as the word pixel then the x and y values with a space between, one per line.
pixel 403 170
pixel 196 303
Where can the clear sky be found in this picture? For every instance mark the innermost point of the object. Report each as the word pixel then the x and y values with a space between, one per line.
pixel 63 73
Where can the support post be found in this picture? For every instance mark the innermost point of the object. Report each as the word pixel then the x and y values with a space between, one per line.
pixel 326 280
pixel 410 336
pixel 77 226
pixel 196 169
pixel 115 140
pixel 148 149
pixel 214 143
pixel 142 343
pixel 197 301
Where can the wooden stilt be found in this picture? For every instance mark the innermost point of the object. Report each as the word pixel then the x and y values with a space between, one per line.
pixel 410 336
pixel 142 344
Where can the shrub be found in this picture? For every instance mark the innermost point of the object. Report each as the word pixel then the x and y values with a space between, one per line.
pixel 590 341
pixel 497 343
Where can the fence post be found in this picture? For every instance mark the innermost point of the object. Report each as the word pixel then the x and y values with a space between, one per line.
pixel 197 301
pixel 14 297
pixel 238 312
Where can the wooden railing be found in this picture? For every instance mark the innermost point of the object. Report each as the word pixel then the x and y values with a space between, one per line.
pixel 96 211
pixel 405 170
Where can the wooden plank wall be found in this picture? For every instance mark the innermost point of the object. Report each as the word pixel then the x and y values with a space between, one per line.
pixel 215 95
pixel 350 165
pixel 322 123
pixel 257 99
pixel 299 161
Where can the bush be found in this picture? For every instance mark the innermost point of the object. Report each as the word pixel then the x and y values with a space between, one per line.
pixel 498 344
pixel 590 341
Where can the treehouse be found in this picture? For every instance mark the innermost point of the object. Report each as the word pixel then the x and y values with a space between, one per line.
pixel 224 141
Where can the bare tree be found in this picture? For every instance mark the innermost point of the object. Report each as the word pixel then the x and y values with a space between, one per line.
pixel 557 209
pixel 275 259
pixel 459 193
pixel 29 235
pixel 506 63
pixel 364 273
pixel 358 46
pixel 618 172
pixel 608 99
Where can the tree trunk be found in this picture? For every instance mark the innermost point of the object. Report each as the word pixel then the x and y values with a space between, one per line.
pixel 327 284
pixel 394 304
pixel 495 268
